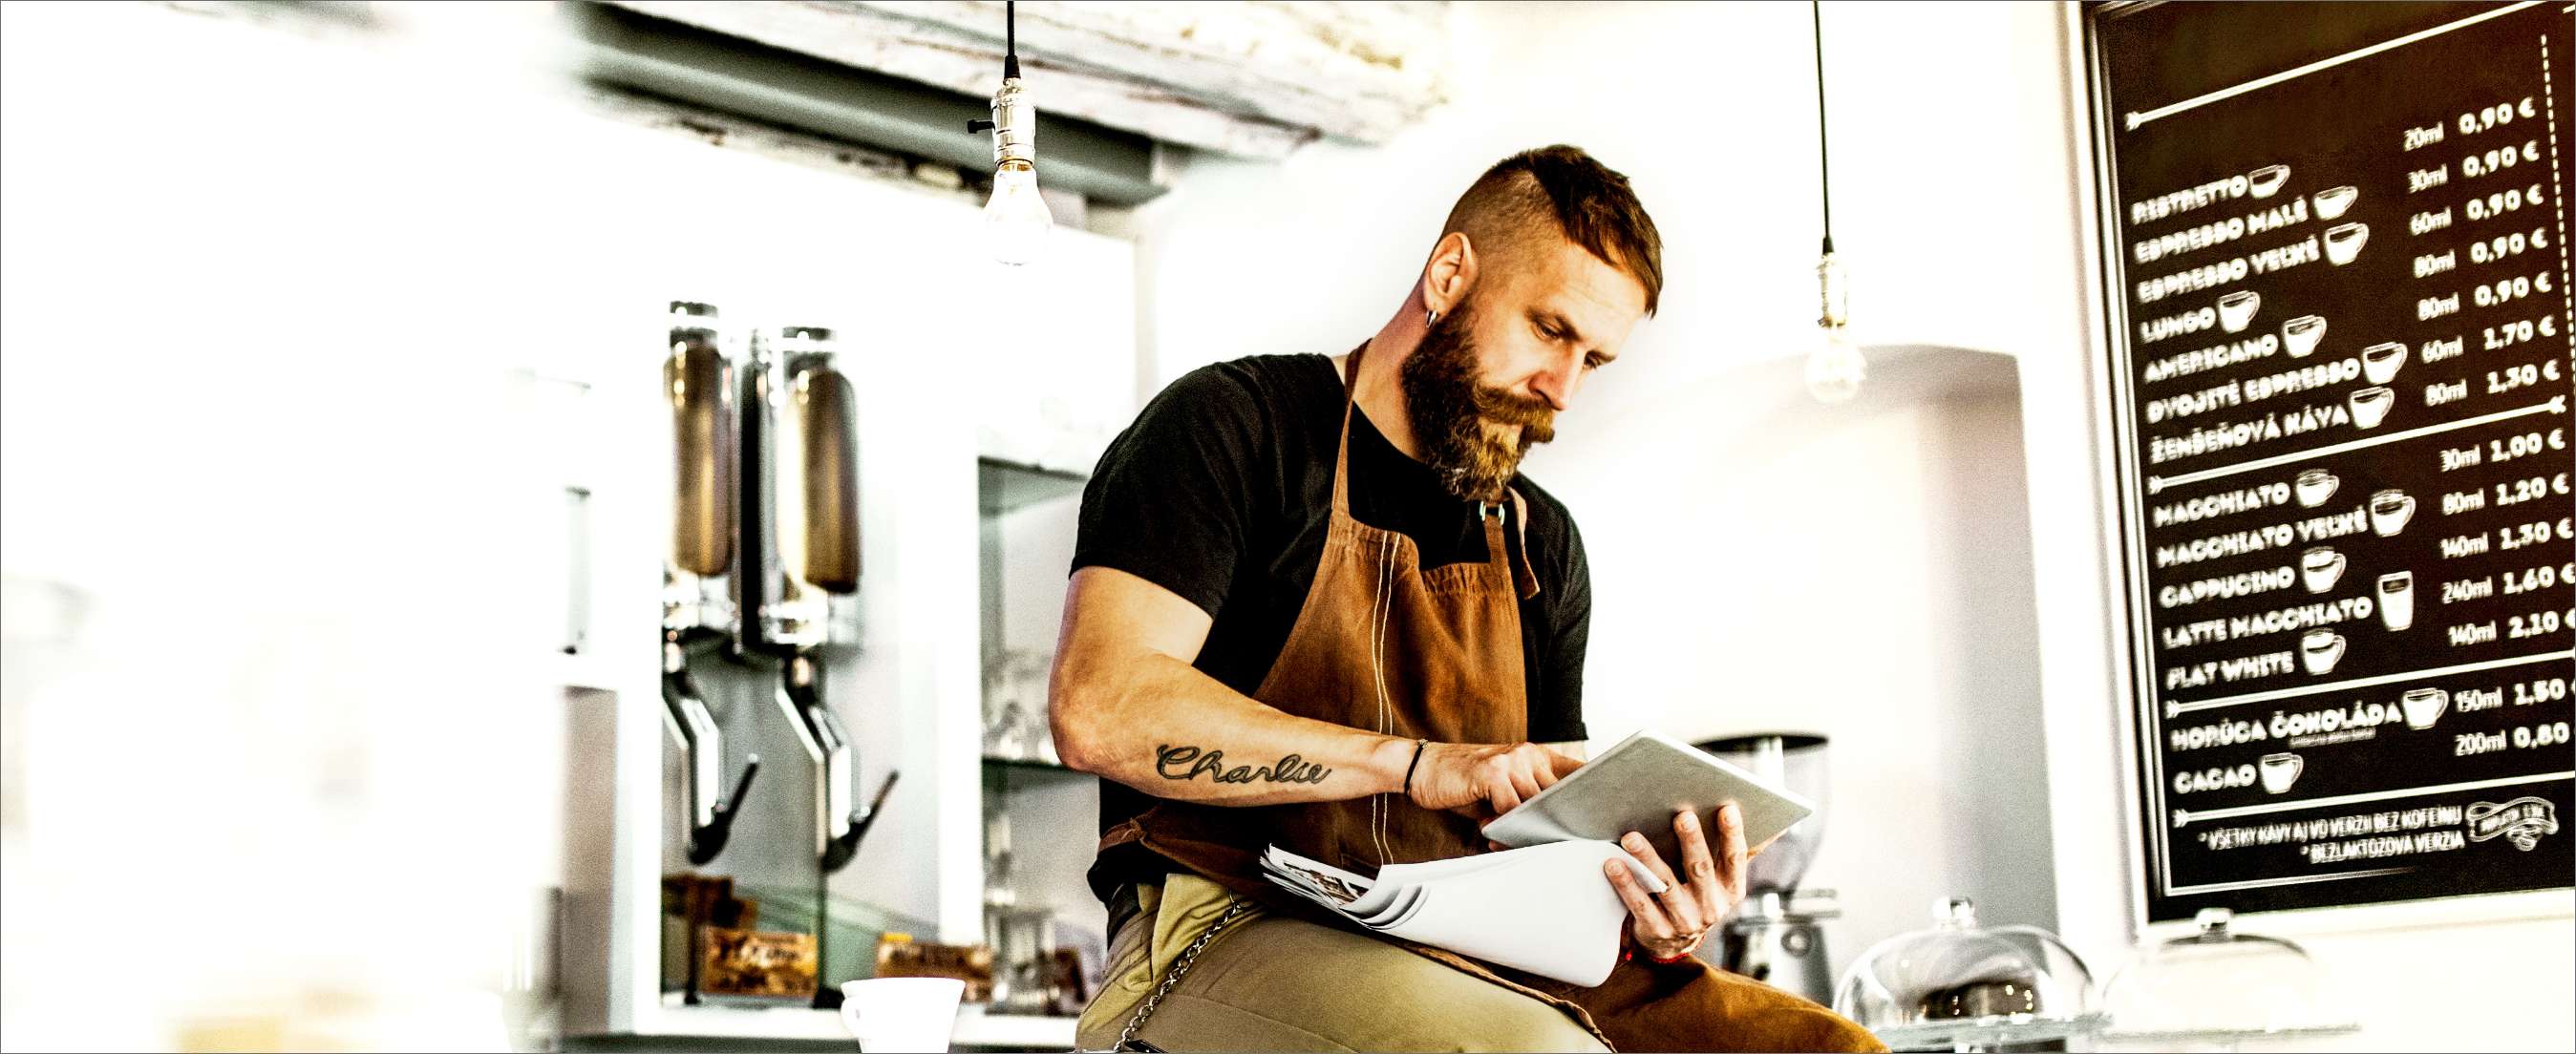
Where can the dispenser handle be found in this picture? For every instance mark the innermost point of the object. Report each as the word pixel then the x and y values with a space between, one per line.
pixel 846 847
pixel 839 826
pixel 707 841
pixel 710 814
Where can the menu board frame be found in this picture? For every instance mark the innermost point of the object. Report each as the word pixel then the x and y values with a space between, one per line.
pixel 2132 621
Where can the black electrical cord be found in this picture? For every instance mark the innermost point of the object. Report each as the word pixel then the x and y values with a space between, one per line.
pixel 1010 63
pixel 1010 38
pixel 1824 166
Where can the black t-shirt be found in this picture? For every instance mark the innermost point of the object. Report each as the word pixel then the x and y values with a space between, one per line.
pixel 1220 492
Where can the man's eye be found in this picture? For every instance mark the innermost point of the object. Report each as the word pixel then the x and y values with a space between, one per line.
pixel 1593 361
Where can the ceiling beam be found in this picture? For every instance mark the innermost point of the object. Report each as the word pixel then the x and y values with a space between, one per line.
pixel 1247 79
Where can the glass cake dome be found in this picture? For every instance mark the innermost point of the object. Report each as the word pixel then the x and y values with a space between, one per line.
pixel 2221 987
pixel 1958 985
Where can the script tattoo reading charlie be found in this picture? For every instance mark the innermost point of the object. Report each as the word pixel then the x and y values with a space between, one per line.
pixel 1187 762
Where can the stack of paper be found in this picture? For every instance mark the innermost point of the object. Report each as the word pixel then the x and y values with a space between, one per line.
pixel 1546 909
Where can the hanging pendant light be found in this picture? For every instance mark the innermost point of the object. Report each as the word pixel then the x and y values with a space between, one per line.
pixel 1835 365
pixel 1016 220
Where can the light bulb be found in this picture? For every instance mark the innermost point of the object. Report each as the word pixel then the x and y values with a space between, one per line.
pixel 1016 220
pixel 1835 368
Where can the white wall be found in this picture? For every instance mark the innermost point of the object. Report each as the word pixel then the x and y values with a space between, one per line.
pixel 233 426
pixel 1956 206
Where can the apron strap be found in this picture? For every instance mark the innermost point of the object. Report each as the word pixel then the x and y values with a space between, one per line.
pixel 1524 580
pixel 1342 452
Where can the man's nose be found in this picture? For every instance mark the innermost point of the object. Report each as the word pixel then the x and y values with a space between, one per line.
pixel 1557 383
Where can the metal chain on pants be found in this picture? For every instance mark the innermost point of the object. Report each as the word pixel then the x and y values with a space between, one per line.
pixel 1234 908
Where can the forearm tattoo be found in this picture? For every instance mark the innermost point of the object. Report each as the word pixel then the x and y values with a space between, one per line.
pixel 1178 762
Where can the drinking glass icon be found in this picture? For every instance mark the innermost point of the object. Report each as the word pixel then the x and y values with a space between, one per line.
pixel 2236 310
pixel 2301 334
pixel 2370 406
pixel 2344 242
pixel 2319 568
pixel 2266 181
pixel 2332 201
pixel 2389 511
pixel 2280 771
pixel 2397 599
pixel 2424 706
pixel 2380 362
pixel 2314 486
pixel 2320 650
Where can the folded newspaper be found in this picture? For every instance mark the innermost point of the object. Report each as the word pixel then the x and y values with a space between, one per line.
pixel 1544 908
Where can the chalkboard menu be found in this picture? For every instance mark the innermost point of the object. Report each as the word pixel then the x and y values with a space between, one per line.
pixel 2336 261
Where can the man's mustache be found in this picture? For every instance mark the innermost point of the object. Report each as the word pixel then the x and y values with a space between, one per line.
pixel 1537 420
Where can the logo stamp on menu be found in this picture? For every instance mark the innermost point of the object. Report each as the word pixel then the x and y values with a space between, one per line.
pixel 2524 820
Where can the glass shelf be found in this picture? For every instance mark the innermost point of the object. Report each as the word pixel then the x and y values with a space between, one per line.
pixel 2226 1038
pixel 1034 765
pixel 1008 774
pixel 1001 486
pixel 850 947
pixel 1990 1032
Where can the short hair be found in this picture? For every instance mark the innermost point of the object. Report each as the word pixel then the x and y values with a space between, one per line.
pixel 1564 190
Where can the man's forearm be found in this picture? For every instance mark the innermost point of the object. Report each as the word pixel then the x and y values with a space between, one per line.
pixel 1159 725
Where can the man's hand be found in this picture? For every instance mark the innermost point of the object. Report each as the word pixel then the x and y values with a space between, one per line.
pixel 1485 779
pixel 1671 923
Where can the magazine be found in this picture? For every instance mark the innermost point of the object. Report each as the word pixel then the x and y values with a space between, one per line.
pixel 1545 908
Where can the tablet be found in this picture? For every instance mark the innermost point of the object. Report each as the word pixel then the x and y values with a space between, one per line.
pixel 1638 785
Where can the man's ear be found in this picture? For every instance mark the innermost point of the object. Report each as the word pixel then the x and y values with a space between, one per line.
pixel 1451 270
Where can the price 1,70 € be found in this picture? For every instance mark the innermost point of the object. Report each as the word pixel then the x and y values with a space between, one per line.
pixel 2524 331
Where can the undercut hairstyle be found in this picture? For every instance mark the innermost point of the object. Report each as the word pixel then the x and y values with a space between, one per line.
pixel 1562 191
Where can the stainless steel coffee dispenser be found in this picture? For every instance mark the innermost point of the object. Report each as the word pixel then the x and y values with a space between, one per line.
pixel 801 510
pixel 698 613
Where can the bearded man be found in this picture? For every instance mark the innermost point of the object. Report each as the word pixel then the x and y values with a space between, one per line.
pixel 1315 604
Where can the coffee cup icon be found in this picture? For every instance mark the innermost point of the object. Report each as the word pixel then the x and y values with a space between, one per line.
pixel 2320 650
pixel 2389 511
pixel 2370 406
pixel 2236 310
pixel 2300 335
pixel 2424 706
pixel 2266 181
pixel 2397 599
pixel 2332 201
pixel 2380 362
pixel 2314 486
pixel 2320 568
pixel 2344 242
pixel 2280 771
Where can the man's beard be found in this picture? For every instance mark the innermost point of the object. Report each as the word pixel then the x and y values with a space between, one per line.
pixel 1450 409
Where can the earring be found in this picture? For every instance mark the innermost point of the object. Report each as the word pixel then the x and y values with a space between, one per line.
pixel 1430 316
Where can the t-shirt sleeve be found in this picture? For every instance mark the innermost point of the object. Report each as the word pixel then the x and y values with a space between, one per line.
pixel 1170 499
pixel 1558 717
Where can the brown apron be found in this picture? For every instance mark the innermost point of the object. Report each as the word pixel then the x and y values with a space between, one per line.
pixel 1385 646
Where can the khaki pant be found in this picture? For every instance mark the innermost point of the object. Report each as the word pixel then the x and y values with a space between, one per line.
pixel 1275 983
